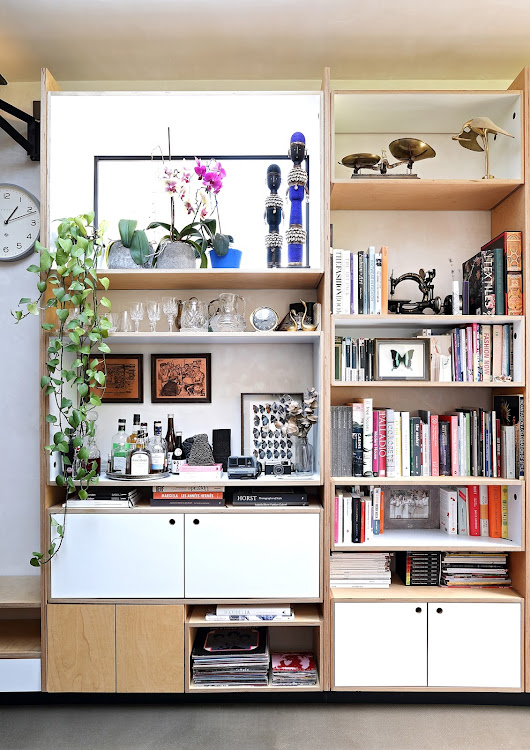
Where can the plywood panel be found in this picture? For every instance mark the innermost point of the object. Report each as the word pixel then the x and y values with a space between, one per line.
pixel 81 648
pixel 149 648
pixel 20 591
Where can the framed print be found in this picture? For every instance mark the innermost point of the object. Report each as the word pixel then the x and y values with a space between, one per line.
pixel 260 435
pixel 402 359
pixel 181 378
pixel 412 507
pixel 124 379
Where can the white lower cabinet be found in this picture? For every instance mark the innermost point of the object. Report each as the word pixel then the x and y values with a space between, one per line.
pixel 119 556
pixel 475 645
pixel 20 676
pixel 252 555
pixel 380 644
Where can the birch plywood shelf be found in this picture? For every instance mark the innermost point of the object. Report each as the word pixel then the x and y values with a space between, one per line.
pixel 429 539
pixel 20 639
pixel 397 591
pixel 20 592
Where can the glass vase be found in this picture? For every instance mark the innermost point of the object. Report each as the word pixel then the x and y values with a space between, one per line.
pixel 303 456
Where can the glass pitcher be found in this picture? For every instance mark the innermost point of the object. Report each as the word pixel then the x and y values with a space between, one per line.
pixel 227 313
pixel 194 316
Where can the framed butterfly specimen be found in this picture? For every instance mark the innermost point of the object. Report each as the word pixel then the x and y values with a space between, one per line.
pixel 402 359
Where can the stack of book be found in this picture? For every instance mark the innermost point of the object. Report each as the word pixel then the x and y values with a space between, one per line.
pixel 475 511
pixel 293 669
pixel 358 517
pixel 467 442
pixel 474 353
pixel 231 657
pixel 492 279
pixel 201 473
pixel 265 613
pixel 360 282
pixel 418 568
pixel 106 497
pixel 367 570
pixel 263 496
pixel 480 569
pixel 195 495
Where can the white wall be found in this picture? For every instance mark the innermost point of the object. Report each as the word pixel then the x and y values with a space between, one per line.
pixel 19 388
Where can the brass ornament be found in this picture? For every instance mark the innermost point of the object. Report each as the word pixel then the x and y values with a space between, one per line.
pixel 480 127
pixel 405 150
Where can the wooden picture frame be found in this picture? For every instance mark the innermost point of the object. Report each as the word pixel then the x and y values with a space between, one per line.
pixel 181 378
pixel 402 359
pixel 124 379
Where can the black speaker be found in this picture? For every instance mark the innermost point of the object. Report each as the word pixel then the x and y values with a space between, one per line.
pixel 221 446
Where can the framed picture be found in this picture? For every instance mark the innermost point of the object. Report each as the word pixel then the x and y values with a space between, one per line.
pixel 124 380
pixel 181 378
pixel 412 507
pixel 260 437
pixel 402 359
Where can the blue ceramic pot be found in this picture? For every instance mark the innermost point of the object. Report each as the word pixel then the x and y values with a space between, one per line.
pixel 231 260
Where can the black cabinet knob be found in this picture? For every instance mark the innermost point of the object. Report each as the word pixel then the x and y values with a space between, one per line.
pixel 439 610
pixel 172 521
pixel 196 521
pixel 418 609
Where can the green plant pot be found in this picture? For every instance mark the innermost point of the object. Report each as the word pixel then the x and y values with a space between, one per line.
pixel 177 255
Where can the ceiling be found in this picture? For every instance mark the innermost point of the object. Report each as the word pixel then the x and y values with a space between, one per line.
pixel 92 40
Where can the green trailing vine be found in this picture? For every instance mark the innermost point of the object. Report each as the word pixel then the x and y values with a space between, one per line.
pixel 74 374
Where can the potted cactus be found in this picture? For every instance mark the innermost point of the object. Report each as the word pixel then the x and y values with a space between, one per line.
pixel 132 250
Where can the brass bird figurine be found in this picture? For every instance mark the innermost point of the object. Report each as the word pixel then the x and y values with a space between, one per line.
pixel 475 128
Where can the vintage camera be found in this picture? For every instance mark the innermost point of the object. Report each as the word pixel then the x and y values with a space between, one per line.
pixel 280 469
pixel 243 467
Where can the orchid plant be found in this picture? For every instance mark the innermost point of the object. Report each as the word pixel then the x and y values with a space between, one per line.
pixel 197 188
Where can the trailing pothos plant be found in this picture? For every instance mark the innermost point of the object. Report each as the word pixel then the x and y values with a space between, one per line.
pixel 75 376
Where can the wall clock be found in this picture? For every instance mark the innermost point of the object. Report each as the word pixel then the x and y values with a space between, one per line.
pixel 19 222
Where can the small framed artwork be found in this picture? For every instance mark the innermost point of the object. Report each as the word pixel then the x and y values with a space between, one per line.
pixel 261 413
pixel 402 359
pixel 181 378
pixel 412 507
pixel 124 379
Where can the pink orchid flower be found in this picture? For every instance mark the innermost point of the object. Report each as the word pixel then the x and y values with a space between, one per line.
pixel 204 212
pixel 200 168
pixel 213 181
pixel 171 186
pixel 220 169
pixel 185 176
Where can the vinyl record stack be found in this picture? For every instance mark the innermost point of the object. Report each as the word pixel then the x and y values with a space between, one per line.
pixel 477 569
pixel 293 669
pixel 367 570
pixel 231 657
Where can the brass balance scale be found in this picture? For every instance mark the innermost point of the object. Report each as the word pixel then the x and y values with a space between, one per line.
pixel 405 150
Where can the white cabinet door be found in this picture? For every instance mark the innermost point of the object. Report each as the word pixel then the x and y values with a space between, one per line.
pixel 380 644
pixel 20 676
pixel 475 645
pixel 252 555
pixel 116 556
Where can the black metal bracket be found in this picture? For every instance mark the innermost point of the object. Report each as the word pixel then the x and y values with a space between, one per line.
pixel 31 144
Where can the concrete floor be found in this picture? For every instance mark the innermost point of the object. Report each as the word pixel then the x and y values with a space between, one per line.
pixel 264 727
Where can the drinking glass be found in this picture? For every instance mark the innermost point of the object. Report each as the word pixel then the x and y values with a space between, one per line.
pixel 124 322
pixel 114 320
pixel 170 308
pixel 137 314
pixel 153 313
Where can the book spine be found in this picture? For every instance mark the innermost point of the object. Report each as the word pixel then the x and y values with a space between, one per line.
pixel 336 523
pixel 377 511
pixel 375 443
pixel 337 281
pixel 405 444
pixel 360 282
pixel 521 438
pixel 384 280
pixel 504 512
pixel 494 511
pixel 340 520
pixel 378 283
pixel 371 279
pixel 348 519
pixel 486 353
pixel 368 516
pixel 354 263
pixel 494 445
pixel 415 447
pixel 496 367
pixel 445 448
pixel 462 512
pixel 381 510
pixel 367 436
pixel 471 355
pixel 498 453
pixel 345 282
pixel 398 457
pixel 188 495
pixel 363 520
pixel 488 283
pixel 448 510
pixel 498 266
pixel 514 294
pixel 473 500
pixel 356 537
pixel 435 446
pixel 483 499
pixel 390 444
pixel 382 443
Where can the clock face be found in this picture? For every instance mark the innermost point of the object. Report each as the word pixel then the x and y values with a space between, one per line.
pixel 19 222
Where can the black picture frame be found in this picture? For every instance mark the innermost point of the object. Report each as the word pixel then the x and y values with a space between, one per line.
pixel 387 353
pixel 119 378
pixel 197 391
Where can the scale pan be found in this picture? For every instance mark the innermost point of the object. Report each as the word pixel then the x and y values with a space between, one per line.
pixel 411 149
pixel 357 161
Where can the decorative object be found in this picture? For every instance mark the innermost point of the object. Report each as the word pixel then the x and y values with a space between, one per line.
pixel 273 217
pixel 406 150
pixel 300 417
pixel 264 319
pixel 232 258
pixel 479 127
pixel 263 415
pixel 402 359
pixel 124 379
pixel 194 315
pixel 412 507
pixel 426 287
pixel 20 212
pixel 243 467
pixel 197 188
pixel 153 313
pixel 222 446
pixel 297 181
pixel 132 250
pixel 136 313
pixel 227 313
pixel 170 306
pixel 181 378
pixel 72 381
pixel 201 453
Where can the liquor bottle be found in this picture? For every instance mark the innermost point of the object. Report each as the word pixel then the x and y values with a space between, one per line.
pixel 170 441
pixel 178 454
pixel 94 456
pixel 120 449
pixel 135 428
pixel 139 459
pixel 145 431
pixel 157 448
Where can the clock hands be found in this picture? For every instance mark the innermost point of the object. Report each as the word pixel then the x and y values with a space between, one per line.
pixel 10 215
pixel 30 213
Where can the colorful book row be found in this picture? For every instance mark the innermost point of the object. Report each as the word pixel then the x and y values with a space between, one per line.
pixel 360 282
